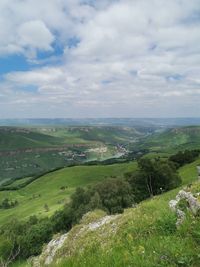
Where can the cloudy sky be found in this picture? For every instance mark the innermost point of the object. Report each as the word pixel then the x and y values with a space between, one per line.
pixel 99 58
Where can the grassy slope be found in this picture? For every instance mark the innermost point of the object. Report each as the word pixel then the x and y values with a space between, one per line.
pixel 146 237
pixel 105 134
pixel 47 189
pixel 15 138
pixel 174 139
pixel 12 138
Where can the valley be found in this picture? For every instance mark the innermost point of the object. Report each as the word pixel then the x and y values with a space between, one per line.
pixel 42 169
pixel 32 151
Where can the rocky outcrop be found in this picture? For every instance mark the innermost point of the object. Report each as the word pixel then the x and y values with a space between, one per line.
pixel 53 246
pixel 56 245
pixel 49 252
pixel 192 204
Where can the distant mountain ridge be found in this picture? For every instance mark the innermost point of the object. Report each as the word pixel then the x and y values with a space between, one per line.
pixel 132 122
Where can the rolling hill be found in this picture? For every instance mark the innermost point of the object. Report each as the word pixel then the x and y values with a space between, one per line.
pixel 26 152
pixel 48 189
pixel 12 138
pixel 103 134
pixel 174 139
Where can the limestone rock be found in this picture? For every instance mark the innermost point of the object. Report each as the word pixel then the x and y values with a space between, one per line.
pixel 193 205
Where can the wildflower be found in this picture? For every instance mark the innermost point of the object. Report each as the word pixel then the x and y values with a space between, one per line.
pixel 141 250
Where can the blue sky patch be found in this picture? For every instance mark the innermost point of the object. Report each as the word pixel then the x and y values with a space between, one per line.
pixel 73 42
pixel 13 63
pixel 29 89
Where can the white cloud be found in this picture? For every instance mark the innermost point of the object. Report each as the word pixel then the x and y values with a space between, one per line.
pixel 36 35
pixel 37 77
pixel 134 57
pixel 43 18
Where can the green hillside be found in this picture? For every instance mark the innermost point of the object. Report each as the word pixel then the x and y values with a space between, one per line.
pixel 19 138
pixel 174 139
pixel 47 189
pixel 143 236
pixel 104 134
pixel 12 138
pixel 37 150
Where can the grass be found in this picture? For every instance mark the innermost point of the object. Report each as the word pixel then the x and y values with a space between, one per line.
pixel 105 134
pixel 20 181
pixel 174 139
pixel 145 236
pixel 189 172
pixel 12 138
pixel 47 189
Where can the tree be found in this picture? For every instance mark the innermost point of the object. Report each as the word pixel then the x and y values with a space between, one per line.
pixel 148 173
pixel 115 194
pixel 138 186
pixel 95 201
pixel 154 177
pixel 8 251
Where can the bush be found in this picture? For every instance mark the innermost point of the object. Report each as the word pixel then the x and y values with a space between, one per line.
pixel 112 195
pixel 184 157
pixel 115 195
pixel 7 204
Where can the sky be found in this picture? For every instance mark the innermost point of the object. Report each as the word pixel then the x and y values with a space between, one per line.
pixel 99 58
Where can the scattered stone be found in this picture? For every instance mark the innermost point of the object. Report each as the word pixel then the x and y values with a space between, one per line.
pixel 102 221
pixel 193 205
